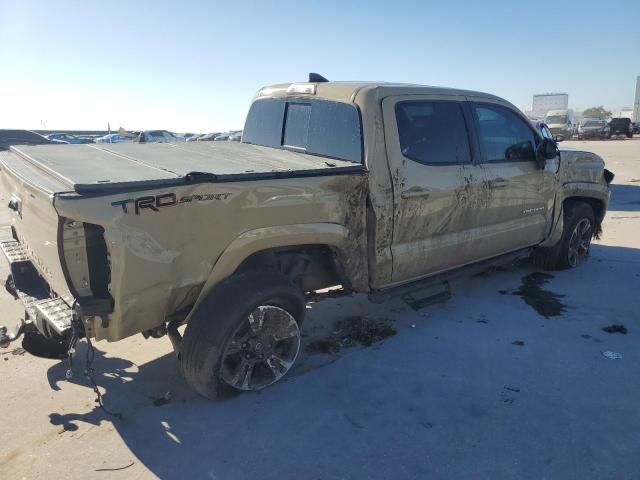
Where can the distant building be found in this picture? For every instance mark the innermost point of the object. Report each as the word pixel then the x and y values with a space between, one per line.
pixel 543 102
pixel 623 113
pixel 636 103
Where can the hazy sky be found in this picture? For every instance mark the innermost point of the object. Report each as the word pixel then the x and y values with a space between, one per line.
pixel 194 65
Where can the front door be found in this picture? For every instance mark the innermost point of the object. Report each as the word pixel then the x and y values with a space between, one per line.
pixel 521 203
pixel 438 187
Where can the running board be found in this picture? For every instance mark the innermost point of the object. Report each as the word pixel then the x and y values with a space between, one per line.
pixel 436 288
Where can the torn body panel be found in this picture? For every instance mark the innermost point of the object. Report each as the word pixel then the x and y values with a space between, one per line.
pixel 166 257
pixel 580 176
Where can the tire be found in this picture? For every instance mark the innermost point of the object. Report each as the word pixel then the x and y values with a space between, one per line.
pixel 214 328
pixel 576 215
pixel 40 346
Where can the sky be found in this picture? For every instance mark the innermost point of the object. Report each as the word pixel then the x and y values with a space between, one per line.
pixel 193 66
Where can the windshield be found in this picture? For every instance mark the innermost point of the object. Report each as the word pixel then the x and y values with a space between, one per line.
pixel 555 119
pixel 593 123
pixel 309 125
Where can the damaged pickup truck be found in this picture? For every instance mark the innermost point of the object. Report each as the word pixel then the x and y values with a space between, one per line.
pixel 366 186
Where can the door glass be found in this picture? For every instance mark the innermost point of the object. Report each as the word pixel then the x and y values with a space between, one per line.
pixel 433 132
pixel 504 136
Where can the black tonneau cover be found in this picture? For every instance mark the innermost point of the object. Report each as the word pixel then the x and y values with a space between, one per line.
pixel 106 168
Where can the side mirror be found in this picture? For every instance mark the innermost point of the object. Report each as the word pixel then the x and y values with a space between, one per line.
pixel 547 150
pixel 559 138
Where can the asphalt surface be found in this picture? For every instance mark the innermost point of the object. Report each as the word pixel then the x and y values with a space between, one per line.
pixel 483 385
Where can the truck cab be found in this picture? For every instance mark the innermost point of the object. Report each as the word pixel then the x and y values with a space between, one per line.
pixel 561 122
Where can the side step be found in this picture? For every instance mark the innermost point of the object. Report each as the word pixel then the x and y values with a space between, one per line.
pixel 436 288
pixel 34 292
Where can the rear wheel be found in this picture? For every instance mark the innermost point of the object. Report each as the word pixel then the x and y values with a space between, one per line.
pixel 244 336
pixel 575 243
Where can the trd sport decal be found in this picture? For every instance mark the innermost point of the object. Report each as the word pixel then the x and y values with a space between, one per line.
pixel 156 202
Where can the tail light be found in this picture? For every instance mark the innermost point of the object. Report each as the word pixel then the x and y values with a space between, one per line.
pixel 85 259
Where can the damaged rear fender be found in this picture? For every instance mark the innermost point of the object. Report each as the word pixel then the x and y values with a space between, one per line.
pixel 330 234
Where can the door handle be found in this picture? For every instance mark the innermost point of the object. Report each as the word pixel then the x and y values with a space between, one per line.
pixel 415 192
pixel 498 182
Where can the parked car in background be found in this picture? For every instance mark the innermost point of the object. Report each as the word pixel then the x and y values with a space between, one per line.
pixel 227 135
pixel 593 128
pixel 636 127
pixel 235 137
pixel 621 126
pixel 560 122
pixel 69 138
pixel 113 138
pixel 207 137
pixel 23 137
pixel 159 136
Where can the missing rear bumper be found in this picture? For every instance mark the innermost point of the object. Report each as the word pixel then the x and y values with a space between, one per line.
pixel 50 314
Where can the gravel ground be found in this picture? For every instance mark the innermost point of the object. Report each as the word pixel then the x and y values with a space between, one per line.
pixel 483 385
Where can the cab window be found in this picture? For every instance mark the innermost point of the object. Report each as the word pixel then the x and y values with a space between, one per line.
pixel 504 135
pixel 310 125
pixel 433 132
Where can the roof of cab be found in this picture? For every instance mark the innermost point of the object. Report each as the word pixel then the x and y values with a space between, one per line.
pixel 347 91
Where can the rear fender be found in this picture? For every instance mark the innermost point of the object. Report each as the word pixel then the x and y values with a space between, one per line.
pixel 351 255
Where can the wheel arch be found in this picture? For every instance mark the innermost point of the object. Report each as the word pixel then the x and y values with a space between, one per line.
pixel 598 206
pixel 294 250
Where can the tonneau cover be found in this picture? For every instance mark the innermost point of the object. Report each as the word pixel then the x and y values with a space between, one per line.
pixel 98 168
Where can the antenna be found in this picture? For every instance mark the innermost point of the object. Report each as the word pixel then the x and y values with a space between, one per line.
pixel 316 78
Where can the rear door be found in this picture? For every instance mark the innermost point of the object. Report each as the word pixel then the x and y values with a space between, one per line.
pixel 521 194
pixel 438 186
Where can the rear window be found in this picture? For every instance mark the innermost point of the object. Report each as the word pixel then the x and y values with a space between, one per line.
pixel 433 132
pixel 315 126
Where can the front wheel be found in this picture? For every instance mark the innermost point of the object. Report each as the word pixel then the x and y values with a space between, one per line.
pixel 245 336
pixel 575 243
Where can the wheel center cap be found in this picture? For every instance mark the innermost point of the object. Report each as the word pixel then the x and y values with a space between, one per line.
pixel 258 347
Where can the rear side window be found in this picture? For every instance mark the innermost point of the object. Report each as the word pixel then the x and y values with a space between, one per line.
pixel 316 126
pixel 433 132
pixel 504 136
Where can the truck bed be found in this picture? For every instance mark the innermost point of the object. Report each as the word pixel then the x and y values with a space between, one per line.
pixel 108 168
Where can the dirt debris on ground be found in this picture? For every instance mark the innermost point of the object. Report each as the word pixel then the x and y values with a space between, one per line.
pixel 615 329
pixel 352 331
pixel 160 401
pixel 15 351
